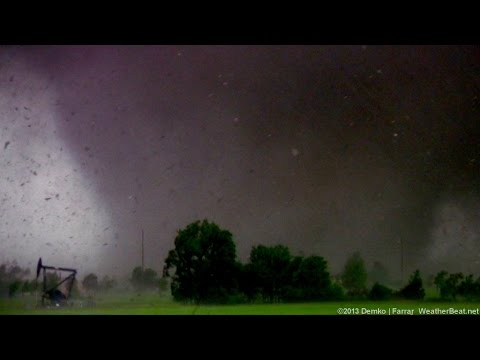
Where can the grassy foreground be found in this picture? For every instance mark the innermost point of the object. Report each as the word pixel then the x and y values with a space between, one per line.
pixel 154 304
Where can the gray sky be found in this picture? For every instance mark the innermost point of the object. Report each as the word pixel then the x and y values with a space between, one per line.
pixel 327 149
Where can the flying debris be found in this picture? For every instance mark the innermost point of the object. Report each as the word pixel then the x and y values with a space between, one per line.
pixel 47 198
pixel 6 145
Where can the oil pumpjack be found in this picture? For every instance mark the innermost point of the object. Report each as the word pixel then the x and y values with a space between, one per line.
pixel 53 293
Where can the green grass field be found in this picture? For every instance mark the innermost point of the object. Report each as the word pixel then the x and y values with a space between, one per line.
pixel 154 304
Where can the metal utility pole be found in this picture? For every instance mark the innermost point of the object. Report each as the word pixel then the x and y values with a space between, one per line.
pixel 143 265
pixel 401 258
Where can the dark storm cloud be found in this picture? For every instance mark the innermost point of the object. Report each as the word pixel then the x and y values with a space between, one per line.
pixel 328 149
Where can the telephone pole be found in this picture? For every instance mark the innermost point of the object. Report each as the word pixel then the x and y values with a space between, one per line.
pixel 143 265
pixel 401 258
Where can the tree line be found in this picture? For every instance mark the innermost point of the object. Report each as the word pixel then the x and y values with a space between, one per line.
pixel 15 281
pixel 203 268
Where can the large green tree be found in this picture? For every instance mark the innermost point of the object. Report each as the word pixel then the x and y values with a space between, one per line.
pixel 414 289
pixel 452 285
pixel 469 288
pixel 380 292
pixel 312 279
pixel 203 264
pixel 143 279
pixel 354 276
pixel 270 268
